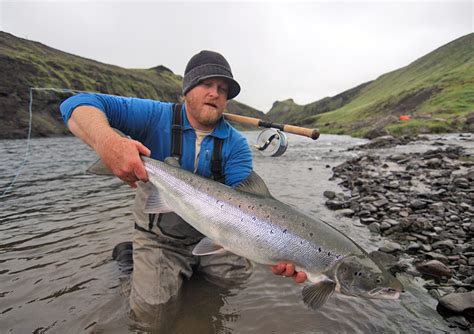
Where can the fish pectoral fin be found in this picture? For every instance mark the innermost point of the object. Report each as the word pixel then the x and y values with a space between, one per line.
pixel 207 247
pixel 156 203
pixel 317 294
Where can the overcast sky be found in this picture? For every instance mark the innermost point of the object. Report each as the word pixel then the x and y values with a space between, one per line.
pixel 277 50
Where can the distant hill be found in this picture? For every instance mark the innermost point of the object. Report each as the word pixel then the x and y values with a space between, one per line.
pixel 25 64
pixel 436 91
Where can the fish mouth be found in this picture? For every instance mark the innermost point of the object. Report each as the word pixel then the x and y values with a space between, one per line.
pixel 384 293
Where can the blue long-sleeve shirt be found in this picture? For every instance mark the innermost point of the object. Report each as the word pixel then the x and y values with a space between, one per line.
pixel 150 122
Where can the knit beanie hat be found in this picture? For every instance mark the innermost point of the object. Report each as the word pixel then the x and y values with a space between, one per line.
pixel 209 64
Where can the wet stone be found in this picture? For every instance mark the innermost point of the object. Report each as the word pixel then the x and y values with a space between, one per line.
pixel 413 246
pixel 434 268
pixel 381 202
pixel 384 225
pixel 437 256
pixel 443 244
pixel 329 194
pixel 390 247
pixel 335 204
pixel 458 302
pixel 417 204
pixel 374 227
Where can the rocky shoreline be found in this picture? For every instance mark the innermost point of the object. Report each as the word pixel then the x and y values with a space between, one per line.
pixel 422 203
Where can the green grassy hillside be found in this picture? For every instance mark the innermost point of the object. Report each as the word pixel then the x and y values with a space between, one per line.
pixel 437 91
pixel 26 64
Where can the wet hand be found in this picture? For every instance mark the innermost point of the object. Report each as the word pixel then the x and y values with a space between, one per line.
pixel 122 156
pixel 288 270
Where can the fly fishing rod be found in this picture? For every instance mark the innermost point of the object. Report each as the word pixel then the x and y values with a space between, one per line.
pixel 297 130
pixel 272 141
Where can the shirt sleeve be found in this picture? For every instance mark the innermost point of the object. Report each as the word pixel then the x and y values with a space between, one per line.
pixel 133 116
pixel 239 165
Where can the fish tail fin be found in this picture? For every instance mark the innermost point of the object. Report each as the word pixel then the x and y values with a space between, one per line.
pixel 317 294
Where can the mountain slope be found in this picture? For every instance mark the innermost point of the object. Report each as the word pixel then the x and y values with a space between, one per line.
pixel 26 64
pixel 437 91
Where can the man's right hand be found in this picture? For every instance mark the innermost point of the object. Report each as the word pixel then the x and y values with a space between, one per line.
pixel 122 156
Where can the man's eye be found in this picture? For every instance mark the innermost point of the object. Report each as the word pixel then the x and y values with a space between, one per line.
pixel 223 89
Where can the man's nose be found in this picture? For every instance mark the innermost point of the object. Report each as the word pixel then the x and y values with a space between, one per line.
pixel 214 90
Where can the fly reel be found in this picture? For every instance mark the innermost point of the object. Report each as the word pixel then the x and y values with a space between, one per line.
pixel 272 142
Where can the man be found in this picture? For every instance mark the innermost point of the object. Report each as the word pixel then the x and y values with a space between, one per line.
pixel 162 244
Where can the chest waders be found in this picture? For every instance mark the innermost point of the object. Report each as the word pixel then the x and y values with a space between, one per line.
pixel 177 152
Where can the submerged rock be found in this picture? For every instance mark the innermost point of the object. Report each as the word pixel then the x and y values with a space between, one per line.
pixel 458 302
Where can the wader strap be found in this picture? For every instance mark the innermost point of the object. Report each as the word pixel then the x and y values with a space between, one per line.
pixel 177 132
pixel 177 152
pixel 216 163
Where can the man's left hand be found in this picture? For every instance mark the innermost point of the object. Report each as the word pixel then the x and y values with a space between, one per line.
pixel 288 270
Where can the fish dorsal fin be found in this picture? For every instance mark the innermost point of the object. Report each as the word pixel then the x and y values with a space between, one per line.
pixel 207 247
pixel 99 168
pixel 317 294
pixel 172 162
pixel 254 184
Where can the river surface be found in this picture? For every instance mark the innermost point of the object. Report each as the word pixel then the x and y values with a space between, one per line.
pixel 58 226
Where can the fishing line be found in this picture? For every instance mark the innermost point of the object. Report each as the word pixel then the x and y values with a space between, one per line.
pixel 28 140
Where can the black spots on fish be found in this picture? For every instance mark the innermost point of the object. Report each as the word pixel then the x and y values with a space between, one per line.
pixel 222 205
pixel 338 257
pixel 241 219
pixel 217 202
pixel 260 205
pixel 248 207
pixel 329 253
pixel 319 250
pixel 207 188
pixel 271 231
pixel 254 218
pixel 284 231
pixel 240 205
pixel 268 216
pixel 274 207
pixel 301 242
pixel 311 234
pixel 358 273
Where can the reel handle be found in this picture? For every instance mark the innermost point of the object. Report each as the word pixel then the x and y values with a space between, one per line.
pixel 297 130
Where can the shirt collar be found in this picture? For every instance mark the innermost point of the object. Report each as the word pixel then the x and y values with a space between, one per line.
pixel 220 131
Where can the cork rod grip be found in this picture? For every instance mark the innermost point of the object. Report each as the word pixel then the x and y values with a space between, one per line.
pixel 311 133
pixel 297 130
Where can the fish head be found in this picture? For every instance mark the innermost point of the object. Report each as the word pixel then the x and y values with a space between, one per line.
pixel 359 275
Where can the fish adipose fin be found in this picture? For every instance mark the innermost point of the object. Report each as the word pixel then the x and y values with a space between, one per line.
pixel 207 247
pixel 254 184
pixel 317 294
pixel 156 203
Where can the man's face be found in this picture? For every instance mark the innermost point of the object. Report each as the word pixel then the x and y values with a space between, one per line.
pixel 206 102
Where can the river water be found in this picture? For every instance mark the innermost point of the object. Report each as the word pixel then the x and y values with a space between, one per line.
pixel 58 226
